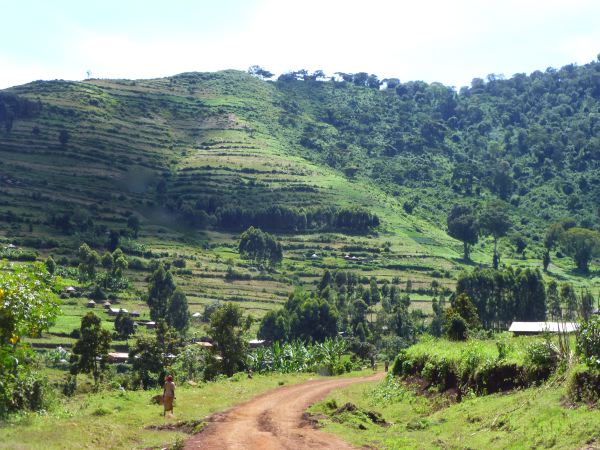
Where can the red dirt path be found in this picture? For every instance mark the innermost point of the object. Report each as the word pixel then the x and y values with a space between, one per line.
pixel 275 420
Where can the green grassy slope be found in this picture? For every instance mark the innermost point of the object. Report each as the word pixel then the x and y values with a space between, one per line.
pixel 147 147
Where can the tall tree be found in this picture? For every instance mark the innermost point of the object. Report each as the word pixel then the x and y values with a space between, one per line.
pixel 228 327
pixel 133 224
pixel 147 361
pixel 586 305
pixel 530 296
pixel 582 244
pixel 274 326
pixel 124 325
pixel 160 290
pixel 569 299
pixel 462 225
pixel 553 298
pixel 260 247
pixel 90 352
pixel 178 315
pixel 314 320
pixel 88 260
pixel 495 222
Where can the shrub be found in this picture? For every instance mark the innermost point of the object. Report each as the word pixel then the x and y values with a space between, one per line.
pixel 540 355
pixel 179 263
pixel 455 326
pixel 70 385
pixel 588 342
pixel 504 346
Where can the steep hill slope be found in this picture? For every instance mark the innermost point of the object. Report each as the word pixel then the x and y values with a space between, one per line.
pixel 197 157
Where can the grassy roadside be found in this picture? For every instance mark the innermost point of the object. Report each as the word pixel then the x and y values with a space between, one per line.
pixel 531 418
pixel 120 420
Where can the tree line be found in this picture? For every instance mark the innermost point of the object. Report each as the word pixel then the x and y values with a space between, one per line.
pixel 281 218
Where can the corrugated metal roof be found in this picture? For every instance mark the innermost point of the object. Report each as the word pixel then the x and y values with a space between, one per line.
pixel 540 327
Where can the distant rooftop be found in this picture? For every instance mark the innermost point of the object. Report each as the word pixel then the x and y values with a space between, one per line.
pixel 541 327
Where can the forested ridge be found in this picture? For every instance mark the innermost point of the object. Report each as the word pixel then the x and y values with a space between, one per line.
pixel 531 140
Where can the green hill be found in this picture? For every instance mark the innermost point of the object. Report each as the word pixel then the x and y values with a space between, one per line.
pixel 199 156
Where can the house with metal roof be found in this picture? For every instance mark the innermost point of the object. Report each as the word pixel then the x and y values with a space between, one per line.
pixel 520 328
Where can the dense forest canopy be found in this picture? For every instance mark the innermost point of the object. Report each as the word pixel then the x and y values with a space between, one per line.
pixel 531 140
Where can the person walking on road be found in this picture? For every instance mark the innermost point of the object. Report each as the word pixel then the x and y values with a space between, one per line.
pixel 168 395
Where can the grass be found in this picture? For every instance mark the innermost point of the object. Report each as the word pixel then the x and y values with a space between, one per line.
pixel 120 420
pixel 529 418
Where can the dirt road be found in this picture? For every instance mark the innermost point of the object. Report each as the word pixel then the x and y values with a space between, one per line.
pixel 274 421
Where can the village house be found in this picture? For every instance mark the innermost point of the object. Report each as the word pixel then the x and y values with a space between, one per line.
pixel 531 328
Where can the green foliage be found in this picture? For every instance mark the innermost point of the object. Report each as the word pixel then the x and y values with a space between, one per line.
pixel 160 290
pixel 124 325
pixel 582 244
pixel 455 327
pixel 274 326
pixel 463 306
pixel 21 387
pixel 27 304
pixel 88 260
pixel 50 265
pixel 302 318
pixel 178 315
pixel 553 300
pixel 228 327
pixel 133 223
pixel 494 221
pixel 482 366
pixel 193 363
pixel 90 352
pixel 588 342
pixel 462 225
pixel 147 362
pixel 262 248
pixel 541 355
pixel 502 296
pixel 569 299
pixel 299 357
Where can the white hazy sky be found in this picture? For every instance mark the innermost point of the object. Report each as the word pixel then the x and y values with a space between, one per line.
pixel 450 41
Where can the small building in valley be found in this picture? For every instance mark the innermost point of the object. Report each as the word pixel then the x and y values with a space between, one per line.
pixel 70 291
pixel 118 357
pixel 530 328
pixel 91 304
pixel 255 343
pixel 115 311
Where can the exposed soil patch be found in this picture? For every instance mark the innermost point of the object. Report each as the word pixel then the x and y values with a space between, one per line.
pixel 275 420
pixel 351 408
pixel 189 427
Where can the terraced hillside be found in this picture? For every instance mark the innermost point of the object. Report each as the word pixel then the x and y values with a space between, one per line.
pixel 193 156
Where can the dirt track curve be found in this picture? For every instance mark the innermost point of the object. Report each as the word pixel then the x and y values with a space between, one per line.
pixel 274 421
